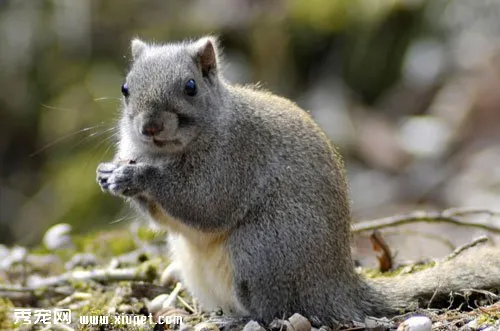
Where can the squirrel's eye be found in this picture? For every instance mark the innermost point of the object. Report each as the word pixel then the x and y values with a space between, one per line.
pixel 125 91
pixel 190 88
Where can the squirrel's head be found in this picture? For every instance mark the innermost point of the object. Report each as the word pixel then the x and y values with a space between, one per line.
pixel 171 94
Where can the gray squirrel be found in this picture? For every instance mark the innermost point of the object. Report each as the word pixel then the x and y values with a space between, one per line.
pixel 254 196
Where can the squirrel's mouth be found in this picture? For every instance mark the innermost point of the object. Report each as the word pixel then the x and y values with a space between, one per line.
pixel 160 143
pixel 163 143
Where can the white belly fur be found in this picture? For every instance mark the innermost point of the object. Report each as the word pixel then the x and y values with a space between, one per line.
pixel 203 262
pixel 206 272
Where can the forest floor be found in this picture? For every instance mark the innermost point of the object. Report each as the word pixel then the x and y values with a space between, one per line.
pixel 112 280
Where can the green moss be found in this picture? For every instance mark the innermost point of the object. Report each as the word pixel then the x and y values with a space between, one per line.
pixel 373 273
pixel 6 308
pixel 105 244
pixel 97 306
pixel 488 319
pixel 122 245
pixel 146 234
pixel 81 286
pixel 40 250
pixel 422 266
pixel 149 269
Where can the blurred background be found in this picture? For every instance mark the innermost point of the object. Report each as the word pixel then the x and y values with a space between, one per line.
pixel 408 90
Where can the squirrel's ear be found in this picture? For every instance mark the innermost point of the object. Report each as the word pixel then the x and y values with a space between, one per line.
pixel 207 55
pixel 138 46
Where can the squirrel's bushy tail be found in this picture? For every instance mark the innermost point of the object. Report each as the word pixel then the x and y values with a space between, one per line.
pixel 477 269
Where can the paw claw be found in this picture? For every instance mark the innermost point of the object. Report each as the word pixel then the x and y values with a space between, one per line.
pixel 118 179
pixel 106 168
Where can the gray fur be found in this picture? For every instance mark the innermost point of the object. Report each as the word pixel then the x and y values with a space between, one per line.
pixel 256 166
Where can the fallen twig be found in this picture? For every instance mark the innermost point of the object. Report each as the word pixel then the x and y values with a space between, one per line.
pixel 448 216
pixel 140 273
pixel 19 297
pixel 13 288
pixel 186 305
pixel 460 249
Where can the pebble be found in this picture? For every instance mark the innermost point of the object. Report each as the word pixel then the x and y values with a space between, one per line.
pixel 416 323
pixel 299 323
pixel 4 251
pixel 81 260
pixel 205 326
pixel 15 255
pixel 253 326
pixel 57 237
pixel 280 325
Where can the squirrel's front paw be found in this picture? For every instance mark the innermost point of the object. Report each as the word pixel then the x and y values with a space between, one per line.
pixel 119 179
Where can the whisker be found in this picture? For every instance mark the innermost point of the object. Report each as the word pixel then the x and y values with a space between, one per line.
pixel 106 151
pixel 90 136
pixel 106 99
pixel 56 108
pixel 65 137
pixel 96 147
pixel 121 219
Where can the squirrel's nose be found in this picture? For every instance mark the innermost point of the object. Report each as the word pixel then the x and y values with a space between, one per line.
pixel 151 129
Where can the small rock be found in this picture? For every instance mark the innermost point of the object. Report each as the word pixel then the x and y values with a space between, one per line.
pixel 299 323
pixel 16 255
pixel 253 326
pixel 204 326
pixel 81 260
pixel 157 303
pixel 170 275
pixel 4 251
pixel 280 325
pixel 378 323
pixel 416 323
pixel 57 237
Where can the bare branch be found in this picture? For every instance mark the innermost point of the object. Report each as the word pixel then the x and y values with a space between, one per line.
pixel 459 250
pixel 447 216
